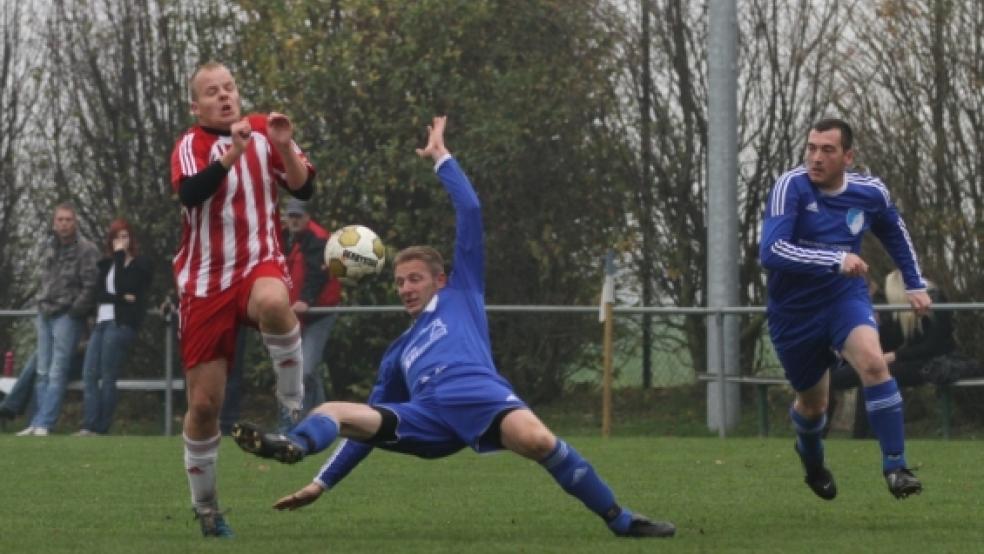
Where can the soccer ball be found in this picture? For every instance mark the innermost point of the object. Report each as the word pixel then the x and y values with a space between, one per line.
pixel 353 252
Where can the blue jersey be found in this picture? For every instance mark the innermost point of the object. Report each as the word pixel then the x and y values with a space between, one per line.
pixel 450 335
pixel 806 233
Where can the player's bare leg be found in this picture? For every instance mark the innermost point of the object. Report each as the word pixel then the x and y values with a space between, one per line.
pixel 523 433
pixel 205 384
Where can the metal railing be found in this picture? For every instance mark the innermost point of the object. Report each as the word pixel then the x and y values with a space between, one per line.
pixel 719 315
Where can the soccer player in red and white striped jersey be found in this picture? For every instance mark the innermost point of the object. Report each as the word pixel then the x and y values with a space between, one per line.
pixel 229 269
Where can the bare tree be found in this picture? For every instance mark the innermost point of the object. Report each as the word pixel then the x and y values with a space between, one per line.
pixel 20 75
pixel 784 71
pixel 116 100
pixel 914 78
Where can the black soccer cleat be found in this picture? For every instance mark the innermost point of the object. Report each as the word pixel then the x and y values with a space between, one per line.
pixel 902 483
pixel 818 478
pixel 279 447
pixel 643 527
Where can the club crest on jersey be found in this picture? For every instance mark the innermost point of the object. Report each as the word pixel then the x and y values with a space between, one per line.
pixel 855 220
pixel 434 332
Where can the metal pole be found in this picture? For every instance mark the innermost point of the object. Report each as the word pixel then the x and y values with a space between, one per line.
pixel 722 391
pixel 722 202
pixel 168 374
pixel 606 389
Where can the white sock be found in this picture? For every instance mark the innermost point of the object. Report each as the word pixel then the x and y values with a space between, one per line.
pixel 288 363
pixel 199 459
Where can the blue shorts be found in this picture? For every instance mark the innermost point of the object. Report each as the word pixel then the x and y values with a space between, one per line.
pixel 809 344
pixel 454 410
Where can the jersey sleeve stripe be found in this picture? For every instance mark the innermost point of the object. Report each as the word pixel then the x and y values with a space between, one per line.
pixel 874 182
pixel 811 256
pixel 778 205
pixel 188 166
pixel 912 253
pixel 331 460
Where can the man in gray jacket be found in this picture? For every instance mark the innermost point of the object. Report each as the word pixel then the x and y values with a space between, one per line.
pixel 65 298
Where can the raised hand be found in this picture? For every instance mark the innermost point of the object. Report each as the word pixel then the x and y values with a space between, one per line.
pixel 280 129
pixel 241 131
pixel 435 148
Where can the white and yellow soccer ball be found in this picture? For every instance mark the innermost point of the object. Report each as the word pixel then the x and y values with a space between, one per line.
pixel 353 252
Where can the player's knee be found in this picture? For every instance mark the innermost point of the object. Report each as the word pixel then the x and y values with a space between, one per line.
pixel 203 409
pixel 869 362
pixel 536 442
pixel 873 373
pixel 272 302
pixel 812 410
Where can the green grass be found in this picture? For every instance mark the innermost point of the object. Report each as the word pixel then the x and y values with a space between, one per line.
pixel 128 494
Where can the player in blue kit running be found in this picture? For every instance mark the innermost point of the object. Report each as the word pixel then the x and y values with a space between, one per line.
pixel 818 303
pixel 438 390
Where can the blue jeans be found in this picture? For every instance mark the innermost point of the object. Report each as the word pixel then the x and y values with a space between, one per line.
pixel 314 337
pixel 57 339
pixel 16 402
pixel 108 347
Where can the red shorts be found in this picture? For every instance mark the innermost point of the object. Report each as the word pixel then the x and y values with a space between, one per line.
pixel 207 327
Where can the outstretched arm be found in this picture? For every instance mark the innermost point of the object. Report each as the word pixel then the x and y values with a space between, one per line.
pixel 389 387
pixel 469 255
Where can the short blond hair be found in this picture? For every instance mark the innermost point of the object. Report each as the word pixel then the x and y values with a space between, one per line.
pixel 430 256
pixel 207 66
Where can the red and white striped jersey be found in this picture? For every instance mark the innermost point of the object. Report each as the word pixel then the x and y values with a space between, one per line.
pixel 238 227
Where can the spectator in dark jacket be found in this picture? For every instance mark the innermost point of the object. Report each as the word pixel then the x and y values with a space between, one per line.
pixel 304 245
pixel 65 298
pixel 124 277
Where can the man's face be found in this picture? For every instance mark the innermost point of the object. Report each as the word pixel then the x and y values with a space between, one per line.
pixel 297 222
pixel 64 224
pixel 416 285
pixel 216 102
pixel 826 159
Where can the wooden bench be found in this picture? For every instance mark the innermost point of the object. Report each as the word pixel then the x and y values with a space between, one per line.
pixel 763 383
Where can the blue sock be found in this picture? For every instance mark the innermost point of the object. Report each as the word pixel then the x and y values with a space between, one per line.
pixel 884 405
pixel 576 476
pixel 314 433
pixel 809 437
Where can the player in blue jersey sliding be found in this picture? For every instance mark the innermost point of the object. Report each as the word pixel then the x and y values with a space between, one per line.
pixel 438 390
pixel 818 303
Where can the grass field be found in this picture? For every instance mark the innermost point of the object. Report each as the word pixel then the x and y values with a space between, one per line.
pixel 128 494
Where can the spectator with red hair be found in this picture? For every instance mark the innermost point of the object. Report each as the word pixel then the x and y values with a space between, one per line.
pixel 121 297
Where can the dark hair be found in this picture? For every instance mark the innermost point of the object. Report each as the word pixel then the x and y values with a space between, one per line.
pixel 117 225
pixel 847 134
pixel 66 206
pixel 431 257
